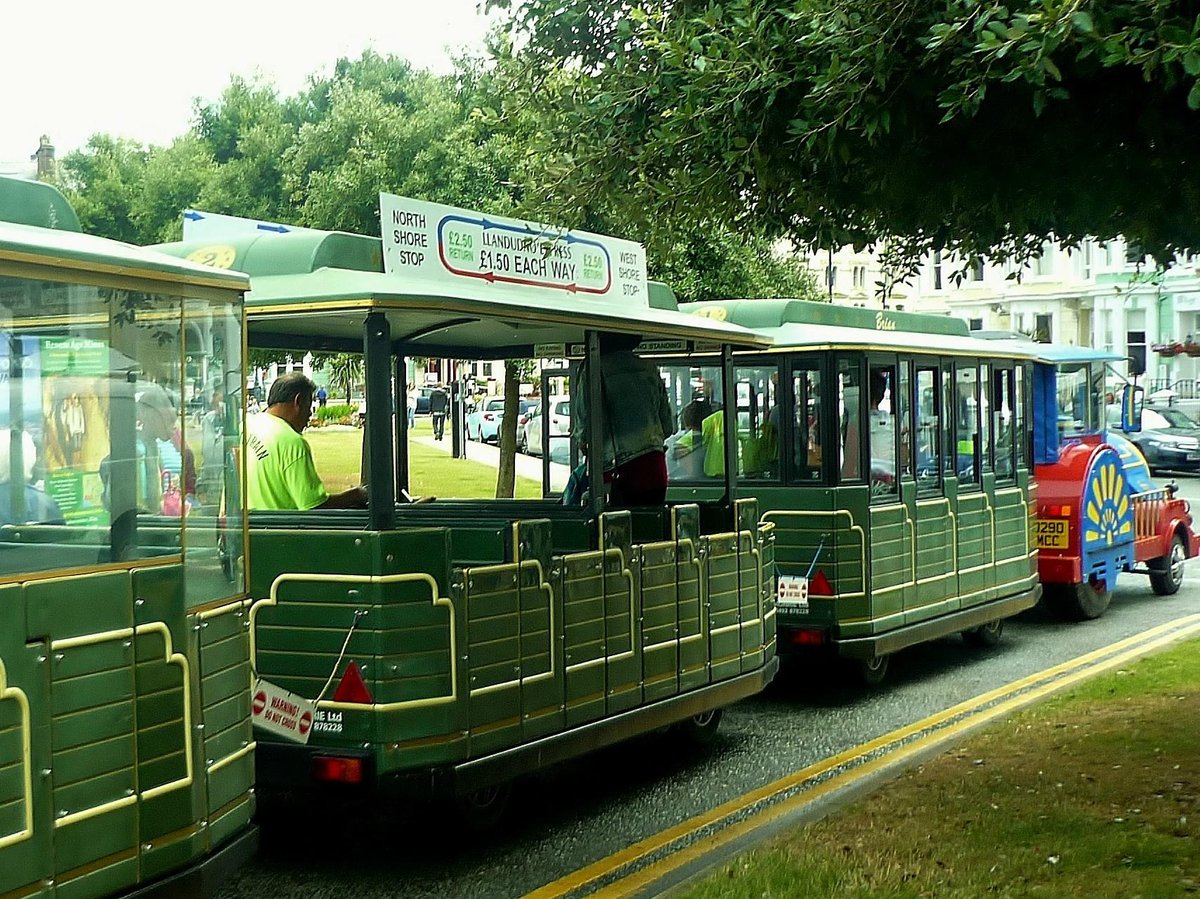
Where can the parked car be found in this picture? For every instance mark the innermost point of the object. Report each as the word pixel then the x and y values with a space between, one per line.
pixel 530 439
pixel 527 408
pixel 484 423
pixel 1169 439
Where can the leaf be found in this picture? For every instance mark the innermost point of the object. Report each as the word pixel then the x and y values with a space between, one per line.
pixel 1191 62
pixel 1051 68
pixel 1083 22
pixel 1193 100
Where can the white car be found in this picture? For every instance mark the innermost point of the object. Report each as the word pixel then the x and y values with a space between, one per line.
pixel 560 425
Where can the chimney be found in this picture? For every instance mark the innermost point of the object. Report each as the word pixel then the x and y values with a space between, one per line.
pixel 45 159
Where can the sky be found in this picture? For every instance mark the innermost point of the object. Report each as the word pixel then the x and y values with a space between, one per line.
pixel 132 68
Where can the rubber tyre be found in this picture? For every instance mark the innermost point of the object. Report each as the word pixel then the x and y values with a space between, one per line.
pixel 1166 574
pixel 872 672
pixel 1079 602
pixel 986 636
pixel 482 810
pixel 701 730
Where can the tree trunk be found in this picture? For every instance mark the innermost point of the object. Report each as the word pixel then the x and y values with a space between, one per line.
pixel 506 477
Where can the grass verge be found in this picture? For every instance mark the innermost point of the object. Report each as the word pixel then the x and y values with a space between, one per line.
pixel 338 457
pixel 1093 793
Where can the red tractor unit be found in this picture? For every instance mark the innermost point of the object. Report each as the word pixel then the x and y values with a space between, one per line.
pixel 1099 513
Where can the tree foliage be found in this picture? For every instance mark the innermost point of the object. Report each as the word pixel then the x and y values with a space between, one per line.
pixel 976 126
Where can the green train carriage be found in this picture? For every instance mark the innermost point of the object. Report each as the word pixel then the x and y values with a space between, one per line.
pixel 448 647
pixel 126 749
pixel 892 453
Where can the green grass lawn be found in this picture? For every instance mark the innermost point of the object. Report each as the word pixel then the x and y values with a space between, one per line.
pixel 338 456
pixel 1094 794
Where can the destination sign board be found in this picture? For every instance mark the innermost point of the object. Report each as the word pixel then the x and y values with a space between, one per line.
pixel 448 245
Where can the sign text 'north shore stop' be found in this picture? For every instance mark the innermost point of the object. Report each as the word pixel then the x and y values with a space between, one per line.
pixel 450 245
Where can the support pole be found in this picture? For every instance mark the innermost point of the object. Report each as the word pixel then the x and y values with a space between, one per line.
pixel 377 343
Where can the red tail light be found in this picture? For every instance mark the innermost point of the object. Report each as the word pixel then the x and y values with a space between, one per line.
pixel 807 637
pixel 352 687
pixel 487 416
pixel 337 770
pixel 818 585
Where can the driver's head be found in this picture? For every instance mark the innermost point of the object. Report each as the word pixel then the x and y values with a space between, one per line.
pixel 291 398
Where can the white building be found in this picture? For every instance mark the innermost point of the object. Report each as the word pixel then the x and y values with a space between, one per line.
pixel 1095 295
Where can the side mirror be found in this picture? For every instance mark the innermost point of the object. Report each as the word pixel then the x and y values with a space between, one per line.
pixel 1132 400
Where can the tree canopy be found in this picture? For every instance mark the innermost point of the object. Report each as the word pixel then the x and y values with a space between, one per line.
pixel 981 127
pixel 320 159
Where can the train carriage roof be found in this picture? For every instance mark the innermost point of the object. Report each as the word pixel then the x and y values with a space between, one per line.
pixel 1052 353
pixel 39 232
pixel 333 279
pixel 805 325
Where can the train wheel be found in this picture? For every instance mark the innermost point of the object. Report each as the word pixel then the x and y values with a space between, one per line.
pixel 1166 574
pixel 986 635
pixel 483 809
pixel 1083 602
pixel 872 671
pixel 701 730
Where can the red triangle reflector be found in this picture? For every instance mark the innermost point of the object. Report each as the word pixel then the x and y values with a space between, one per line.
pixel 819 585
pixel 352 687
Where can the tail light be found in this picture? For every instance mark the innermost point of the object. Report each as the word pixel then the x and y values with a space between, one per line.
pixel 337 769
pixel 1056 511
pixel 807 636
pixel 352 687
pixel 488 416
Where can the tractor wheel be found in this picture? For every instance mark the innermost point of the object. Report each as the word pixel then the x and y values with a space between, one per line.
pixel 1166 574
pixel 1081 602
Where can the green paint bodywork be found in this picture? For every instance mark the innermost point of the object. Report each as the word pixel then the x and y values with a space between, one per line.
pixel 478 638
pixel 126 750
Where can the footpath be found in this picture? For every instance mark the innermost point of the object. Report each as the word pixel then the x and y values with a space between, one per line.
pixel 487 454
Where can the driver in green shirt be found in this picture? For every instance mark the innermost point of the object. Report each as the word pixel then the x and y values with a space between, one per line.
pixel 279 466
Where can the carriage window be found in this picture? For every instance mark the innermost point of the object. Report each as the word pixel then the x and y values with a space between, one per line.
pixel 967 421
pixel 928 456
pixel 1021 433
pixel 93 466
pixel 881 428
pixel 213 434
pixel 758 421
pixel 849 377
pixel 947 409
pixel 696 451
pixel 1003 421
pixel 806 388
pixel 985 418
pixel 904 411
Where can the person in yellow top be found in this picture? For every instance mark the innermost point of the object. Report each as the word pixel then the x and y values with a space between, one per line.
pixel 280 473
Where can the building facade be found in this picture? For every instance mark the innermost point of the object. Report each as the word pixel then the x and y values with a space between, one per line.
pixel 1098 294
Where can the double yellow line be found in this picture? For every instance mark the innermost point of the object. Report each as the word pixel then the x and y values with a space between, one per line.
pixel 655 858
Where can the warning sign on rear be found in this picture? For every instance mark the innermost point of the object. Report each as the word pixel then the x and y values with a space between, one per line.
pixel 281 713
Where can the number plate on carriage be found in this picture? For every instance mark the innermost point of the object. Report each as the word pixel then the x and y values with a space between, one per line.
pixel 793 593
pixel 1052 534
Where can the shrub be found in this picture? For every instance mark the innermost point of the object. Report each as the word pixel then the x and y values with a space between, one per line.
pixel 335 414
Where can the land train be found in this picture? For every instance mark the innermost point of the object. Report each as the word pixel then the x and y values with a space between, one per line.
pixel 126 748
pixel 446 647
pixel 892 453
pixel 1099 512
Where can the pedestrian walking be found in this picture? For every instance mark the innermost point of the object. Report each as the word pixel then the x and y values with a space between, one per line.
pixel 439 403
